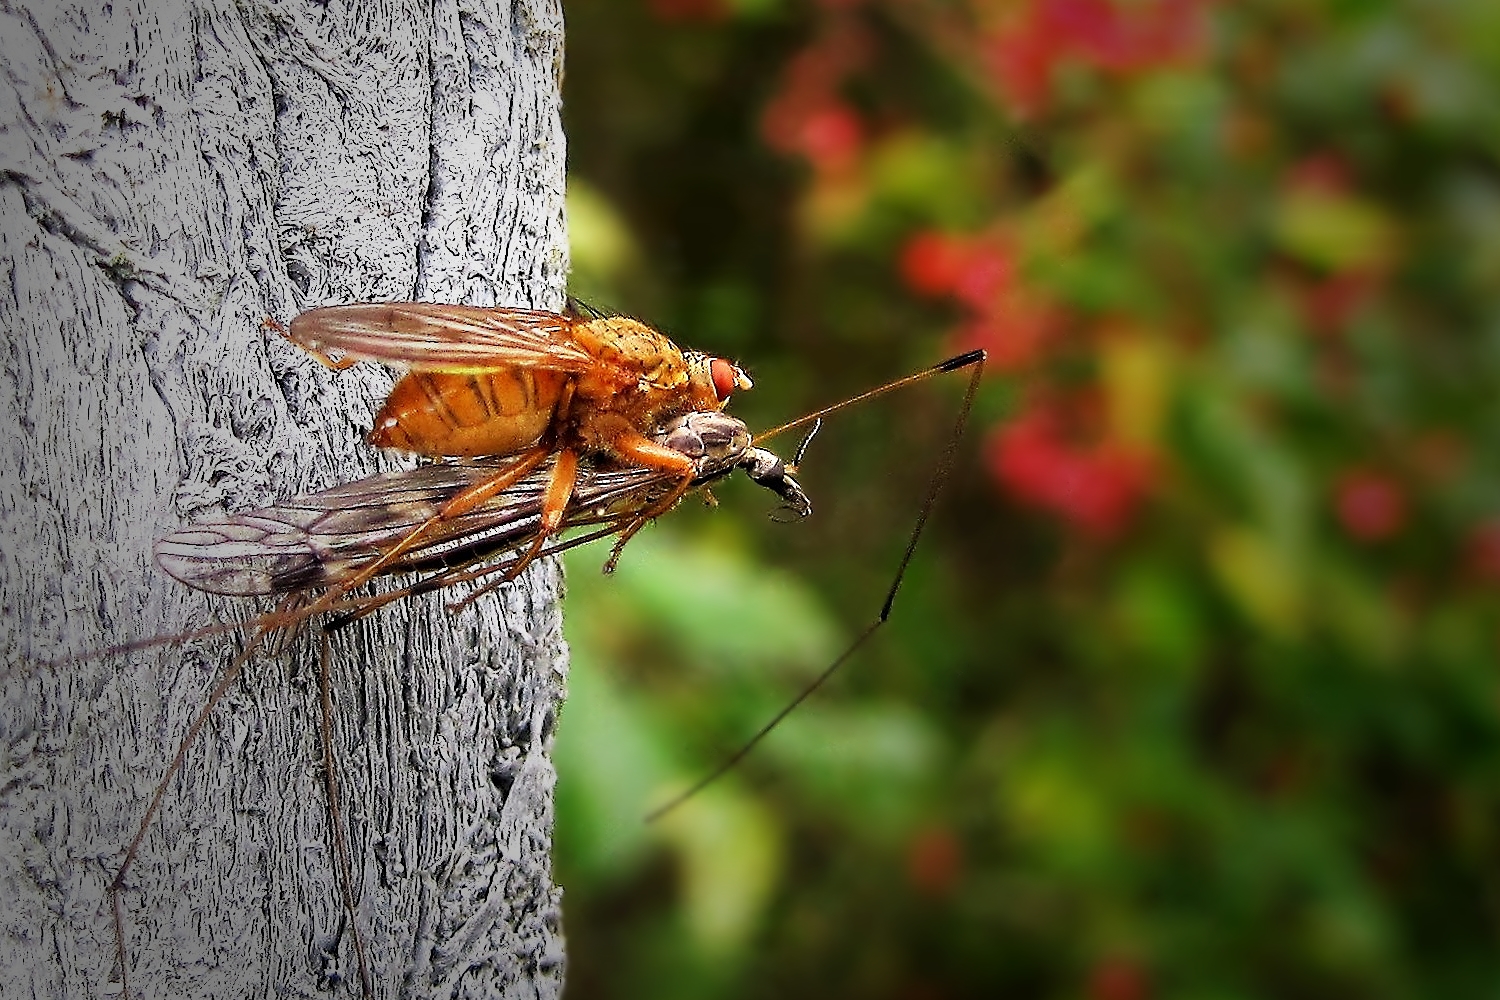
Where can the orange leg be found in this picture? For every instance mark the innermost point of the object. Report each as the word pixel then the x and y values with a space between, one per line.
pixel 641 450
pixel 518 469
pixel 645 517
pixel 486 490
pixel 554 505
pixel 637 449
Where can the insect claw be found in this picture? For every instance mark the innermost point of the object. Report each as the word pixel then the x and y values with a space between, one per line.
pixel 614 558
pixel 798 514
pixel 768 470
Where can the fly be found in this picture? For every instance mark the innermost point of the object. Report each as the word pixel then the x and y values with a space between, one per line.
pixel 535 385
pixel 548 388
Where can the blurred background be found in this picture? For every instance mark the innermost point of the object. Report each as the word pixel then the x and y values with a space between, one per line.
pixel 1192 690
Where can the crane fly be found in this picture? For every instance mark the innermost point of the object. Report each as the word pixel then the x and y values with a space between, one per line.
pixel 492 381
pixel 324 539
pixel 527 393
pixel 329 541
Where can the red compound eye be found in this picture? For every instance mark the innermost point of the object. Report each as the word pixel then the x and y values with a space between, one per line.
pixel 726 378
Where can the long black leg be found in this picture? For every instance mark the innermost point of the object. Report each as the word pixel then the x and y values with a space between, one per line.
pixel 935 486
pixel 336 815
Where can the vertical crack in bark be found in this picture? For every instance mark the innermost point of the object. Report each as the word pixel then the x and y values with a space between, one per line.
pixel 432 191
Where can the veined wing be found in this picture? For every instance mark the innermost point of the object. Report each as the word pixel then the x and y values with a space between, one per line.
pixel 429 336
pixel 321 539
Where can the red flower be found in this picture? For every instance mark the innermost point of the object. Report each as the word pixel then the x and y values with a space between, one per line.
pixel 934 861
pixel 1370 505
pixel 808 116
pixel 1095 487
pixel 1006 319
pixel 1118 978
pixel 930 262
pixel 975 271
pixel 1021 63
pixel 983 276
pixel 1483 547
pixel 1013 331
pixel 830 137
pixel 826 132
pixel 1115 36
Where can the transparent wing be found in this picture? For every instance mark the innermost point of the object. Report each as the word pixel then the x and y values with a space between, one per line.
pixel 430 336
pixel 321 539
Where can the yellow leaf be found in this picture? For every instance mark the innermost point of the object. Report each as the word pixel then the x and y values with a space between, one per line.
pixel 1334 231
pixel 730 850
pixel 1136 370
pixel 1267 585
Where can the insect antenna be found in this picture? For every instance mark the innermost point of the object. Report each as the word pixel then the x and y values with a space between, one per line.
pixel 940 476
pixel 953 364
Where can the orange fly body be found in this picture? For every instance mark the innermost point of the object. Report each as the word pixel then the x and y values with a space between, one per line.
pixel 494 381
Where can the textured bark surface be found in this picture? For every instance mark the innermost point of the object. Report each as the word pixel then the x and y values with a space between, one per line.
pixel 171 173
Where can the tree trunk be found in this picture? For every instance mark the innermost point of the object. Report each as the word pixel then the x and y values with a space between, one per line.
pixel 171 174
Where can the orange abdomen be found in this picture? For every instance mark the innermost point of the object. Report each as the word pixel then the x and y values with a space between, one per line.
pixel 460 415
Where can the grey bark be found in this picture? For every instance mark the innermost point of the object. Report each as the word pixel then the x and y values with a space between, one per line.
pixel 172 173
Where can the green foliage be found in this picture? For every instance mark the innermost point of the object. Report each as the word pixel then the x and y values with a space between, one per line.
pixel 1192 687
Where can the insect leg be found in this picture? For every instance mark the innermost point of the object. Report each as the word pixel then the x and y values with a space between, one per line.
pixel 645 517
pixel 465 573
pixel 554 506
pixel 935 486
pixel 336 816
pixel 462 503
pixel 641 450
pixel 231 674
pixel 446 580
